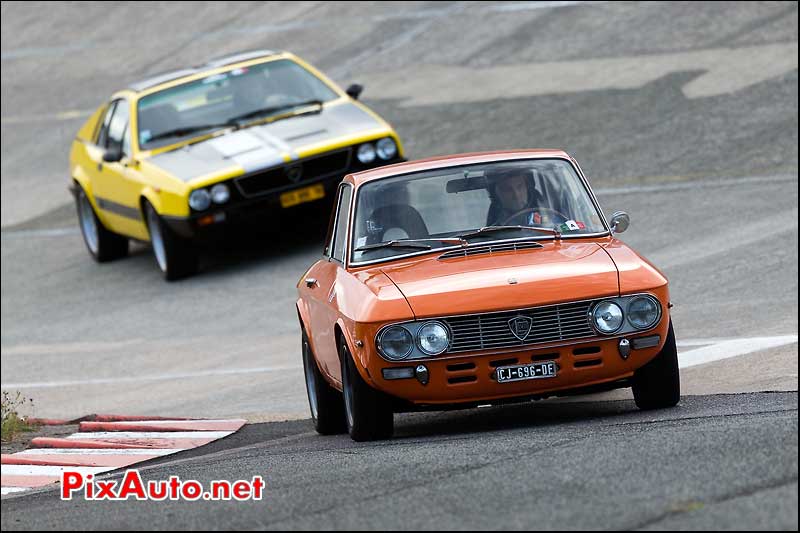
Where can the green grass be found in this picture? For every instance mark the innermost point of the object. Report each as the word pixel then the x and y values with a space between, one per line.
pixel 13 422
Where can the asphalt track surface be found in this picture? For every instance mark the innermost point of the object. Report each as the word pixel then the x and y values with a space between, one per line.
pixel 684 115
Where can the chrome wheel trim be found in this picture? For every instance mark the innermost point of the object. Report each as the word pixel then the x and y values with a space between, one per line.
pixel 156 239
pixel 347 392
pixel 311 380
pixel 88 224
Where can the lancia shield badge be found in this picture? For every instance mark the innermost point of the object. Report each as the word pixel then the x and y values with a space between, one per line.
pixel 294 173
pixel 520 326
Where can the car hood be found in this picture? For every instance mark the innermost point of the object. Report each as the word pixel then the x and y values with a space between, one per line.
pixel 267 145
pixel 558 272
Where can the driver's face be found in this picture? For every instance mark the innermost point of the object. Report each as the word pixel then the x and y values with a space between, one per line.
pixel 513 192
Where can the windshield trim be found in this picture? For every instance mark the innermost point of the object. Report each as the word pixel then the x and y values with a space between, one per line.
pixel 351 248
pixel 481 243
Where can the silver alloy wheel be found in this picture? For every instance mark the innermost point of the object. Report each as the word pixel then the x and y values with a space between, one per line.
pixel 311 379
pixel 156 239
pixel 88 223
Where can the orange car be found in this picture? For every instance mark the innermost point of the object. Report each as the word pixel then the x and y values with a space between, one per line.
pixel 474 279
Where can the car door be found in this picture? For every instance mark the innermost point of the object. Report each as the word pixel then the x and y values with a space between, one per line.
pixel 323 305
pixel 117 184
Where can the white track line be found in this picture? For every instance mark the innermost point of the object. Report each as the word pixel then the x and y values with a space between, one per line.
pixel 41 470
pixel 13 490
pixel 731 348
pixel 106 435
pixel 140 379
pixel 101 451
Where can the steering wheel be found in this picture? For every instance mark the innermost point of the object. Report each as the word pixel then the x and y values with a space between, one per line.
pixel 527 210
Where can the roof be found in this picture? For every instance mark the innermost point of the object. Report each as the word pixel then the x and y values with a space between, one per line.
pixel 432 163
pixel 229 59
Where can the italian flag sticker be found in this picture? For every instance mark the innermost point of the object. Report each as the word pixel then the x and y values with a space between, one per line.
pixel 571 225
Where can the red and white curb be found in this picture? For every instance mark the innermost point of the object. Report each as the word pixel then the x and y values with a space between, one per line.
pixel 106 443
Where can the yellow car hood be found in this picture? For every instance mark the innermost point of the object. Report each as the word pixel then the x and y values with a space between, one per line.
pixel 267 145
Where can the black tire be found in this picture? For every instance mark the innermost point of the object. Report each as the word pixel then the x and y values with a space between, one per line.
pixel 103 245
pixel 657 384
pixel 368 414
pixel 175 257
pixel 325 402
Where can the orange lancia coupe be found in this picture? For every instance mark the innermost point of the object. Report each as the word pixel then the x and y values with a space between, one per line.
pixel 477 279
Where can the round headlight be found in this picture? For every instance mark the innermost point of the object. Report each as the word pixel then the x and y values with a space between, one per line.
pixel 432 338
pixel 199 200
pixel 366 153
pixel 386 148
pixel 220 193
pixel 643 312
pixel 396 343
pixel 607 317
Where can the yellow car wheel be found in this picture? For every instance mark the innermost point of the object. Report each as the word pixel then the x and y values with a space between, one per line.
pixel 175 257
pixel 103 245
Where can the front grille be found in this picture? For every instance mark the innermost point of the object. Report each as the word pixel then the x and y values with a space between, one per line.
pixel 490 249
pixel 308 170
pixel 491 330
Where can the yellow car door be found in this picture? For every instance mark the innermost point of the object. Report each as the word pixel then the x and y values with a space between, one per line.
pixel 116 182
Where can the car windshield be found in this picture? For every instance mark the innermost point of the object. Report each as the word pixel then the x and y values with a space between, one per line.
pixel 199 107
pixel 459 202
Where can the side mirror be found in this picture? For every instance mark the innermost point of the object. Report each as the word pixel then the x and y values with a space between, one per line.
pixel 620 222
pixel 112 155
pixel 354 91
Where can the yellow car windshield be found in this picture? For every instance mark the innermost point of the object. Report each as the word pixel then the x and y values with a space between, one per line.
pixel 201 106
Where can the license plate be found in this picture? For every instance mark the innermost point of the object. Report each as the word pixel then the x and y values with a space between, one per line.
pixel 301 196
pixel 546 369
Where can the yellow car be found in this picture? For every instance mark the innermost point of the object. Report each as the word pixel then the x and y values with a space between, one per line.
pixel 174 156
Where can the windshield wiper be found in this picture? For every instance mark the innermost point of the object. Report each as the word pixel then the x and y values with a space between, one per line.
pixel 410 243
pixel 234 122
pixel 494 229
pixel 187 130
pixel 275 109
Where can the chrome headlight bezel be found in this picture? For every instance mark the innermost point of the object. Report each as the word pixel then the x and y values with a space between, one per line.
pixel 653 301
pixel 366 153
pixel 200 199
pixel 597 307
pixel 380 344
pixel 419 337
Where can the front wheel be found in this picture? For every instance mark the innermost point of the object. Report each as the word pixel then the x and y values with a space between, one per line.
pixel 176 257
pixel 657 384
pixel 367 411
pixel 327 407
pixel 103 245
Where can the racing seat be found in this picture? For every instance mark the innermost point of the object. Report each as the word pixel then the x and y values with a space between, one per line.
pixel 396 221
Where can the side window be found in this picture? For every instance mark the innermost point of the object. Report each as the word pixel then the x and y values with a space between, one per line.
pixel 340 235
pixel 126 141
pixel 118 125
pixel 102 136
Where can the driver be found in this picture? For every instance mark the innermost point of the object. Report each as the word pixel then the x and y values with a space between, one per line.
pixel 512 191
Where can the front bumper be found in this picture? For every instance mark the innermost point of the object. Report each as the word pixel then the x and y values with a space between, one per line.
pixel 244 206
pixel 471 379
